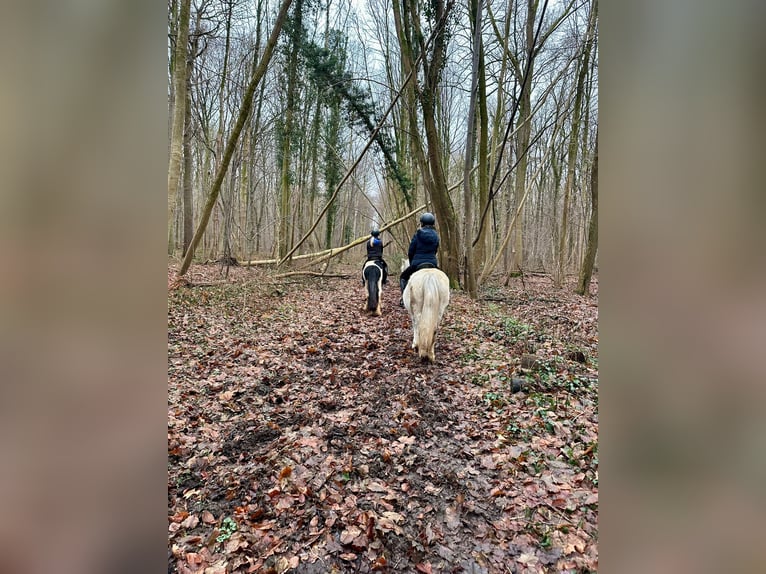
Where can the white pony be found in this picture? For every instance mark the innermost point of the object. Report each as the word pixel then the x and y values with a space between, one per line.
pixel 426 298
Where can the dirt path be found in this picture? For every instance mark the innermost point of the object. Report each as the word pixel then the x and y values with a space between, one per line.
pixel 307 437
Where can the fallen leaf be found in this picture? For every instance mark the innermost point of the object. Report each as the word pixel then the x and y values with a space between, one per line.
pixel 388 525
pixel 424 567
pixel 191 521
pixel 395 516
pixel 591 499
pixel 488 462
pixel 179 516
pixel 282 565
pixel 452 517
pixel 193 558
pixel 527 558
pixel 207 517
pixel 376 487
pixel 348 535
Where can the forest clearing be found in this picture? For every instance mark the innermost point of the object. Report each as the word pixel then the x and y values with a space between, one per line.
pixel 306 436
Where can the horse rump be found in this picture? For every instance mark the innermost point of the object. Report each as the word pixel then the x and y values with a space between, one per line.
pixel 426 298
pixel 373 278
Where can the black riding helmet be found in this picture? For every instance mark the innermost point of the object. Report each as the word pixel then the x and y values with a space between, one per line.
pixel 375 232
pixel 427 219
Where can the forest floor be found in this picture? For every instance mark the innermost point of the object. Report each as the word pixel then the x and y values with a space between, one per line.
pixel 306 436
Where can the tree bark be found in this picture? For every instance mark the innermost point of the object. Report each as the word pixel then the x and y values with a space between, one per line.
pixel 559 275
pixel 287 132
pixel 483 160
pixel 188 167
pixel 179 113
pixel 407 20
pixel 586 272
pixel 470 271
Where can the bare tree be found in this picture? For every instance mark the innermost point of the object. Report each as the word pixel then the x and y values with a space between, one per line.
pixel 586 271
pixel 176 138
pixel 470 271
pixel 559 274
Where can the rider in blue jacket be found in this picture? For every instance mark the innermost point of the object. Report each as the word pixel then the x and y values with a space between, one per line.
pixel 375 252
pixel 423 248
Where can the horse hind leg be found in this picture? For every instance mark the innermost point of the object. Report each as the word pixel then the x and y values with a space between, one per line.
pixel 431 350
pixel 416 319
pixel 366 297
pixel 378 311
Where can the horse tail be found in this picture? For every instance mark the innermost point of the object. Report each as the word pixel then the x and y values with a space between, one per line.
pixel 429 316
pixel 372 276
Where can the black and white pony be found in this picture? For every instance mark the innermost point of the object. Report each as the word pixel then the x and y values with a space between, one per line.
pixel 372 275
pixel 426 298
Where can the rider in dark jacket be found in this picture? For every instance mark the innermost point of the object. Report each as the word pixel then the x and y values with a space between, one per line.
pixel 375 252
pixel 423 248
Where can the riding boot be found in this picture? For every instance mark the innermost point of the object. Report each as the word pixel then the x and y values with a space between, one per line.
pixel 402 285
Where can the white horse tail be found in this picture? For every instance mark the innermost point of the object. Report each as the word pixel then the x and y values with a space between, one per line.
pixel 426 301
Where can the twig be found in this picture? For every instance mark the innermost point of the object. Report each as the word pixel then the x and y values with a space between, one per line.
pixel 313 274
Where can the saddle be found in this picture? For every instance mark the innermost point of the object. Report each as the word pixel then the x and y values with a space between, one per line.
pixel 426 266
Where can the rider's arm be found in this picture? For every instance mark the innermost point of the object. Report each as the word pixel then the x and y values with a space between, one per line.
pixel 411 250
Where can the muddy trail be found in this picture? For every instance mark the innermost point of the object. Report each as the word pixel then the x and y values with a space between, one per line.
pixel 306 436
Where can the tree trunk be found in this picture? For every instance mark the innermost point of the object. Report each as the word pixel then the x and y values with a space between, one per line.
pixel 407 21
pixel 188 208
pixel 287 132
pixel 179 113
pixel 483 160
pixel 524 126
pixel 172 33
pixel 586 272
pixel 559 276
pixel 470 271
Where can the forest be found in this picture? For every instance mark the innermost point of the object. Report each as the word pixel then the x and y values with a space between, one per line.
pixel 304 433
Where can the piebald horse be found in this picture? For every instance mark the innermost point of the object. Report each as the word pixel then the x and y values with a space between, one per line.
pixel 426 298
pixel 372 275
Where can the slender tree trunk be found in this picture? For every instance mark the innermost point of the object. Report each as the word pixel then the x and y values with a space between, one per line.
pixel 173 33
pixel 287 134
pixel 179 113
pixel 559 276
pixel 522 140
pixel 244 112
pixel 252 225
pixel 586 272
pixel 470 271
pixel 188 209
pixel 481 246
pixel 445 211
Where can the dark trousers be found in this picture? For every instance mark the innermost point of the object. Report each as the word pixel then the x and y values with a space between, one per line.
pixel 404 277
